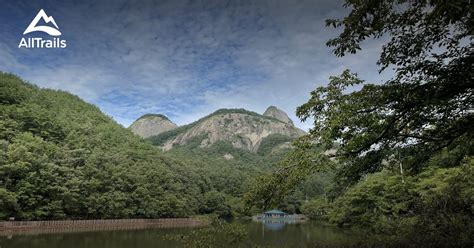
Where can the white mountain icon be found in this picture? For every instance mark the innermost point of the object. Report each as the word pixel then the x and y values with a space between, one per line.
pixel 47 19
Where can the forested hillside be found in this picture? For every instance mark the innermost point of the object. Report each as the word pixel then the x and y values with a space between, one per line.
pixel 233 171
pixel 63 158
pixel 241 145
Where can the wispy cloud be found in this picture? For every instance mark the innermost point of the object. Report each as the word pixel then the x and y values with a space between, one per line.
pixel 184 58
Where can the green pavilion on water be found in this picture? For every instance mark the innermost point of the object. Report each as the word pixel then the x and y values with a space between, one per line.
pixel 275 214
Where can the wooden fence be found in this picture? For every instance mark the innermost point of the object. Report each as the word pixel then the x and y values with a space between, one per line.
pixel 57 226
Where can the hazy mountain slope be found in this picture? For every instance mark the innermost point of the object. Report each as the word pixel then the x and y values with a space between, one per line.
pixel 151 124
pixel 241 128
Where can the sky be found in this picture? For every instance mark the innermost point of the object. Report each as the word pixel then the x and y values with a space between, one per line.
pixel 184 59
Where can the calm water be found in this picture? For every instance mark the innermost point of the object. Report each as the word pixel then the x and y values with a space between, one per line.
pixel 275 235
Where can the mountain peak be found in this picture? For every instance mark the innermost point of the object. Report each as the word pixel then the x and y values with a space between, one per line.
pixel 152 124
pixel 240 128
pixel 148 116
pixel 278 114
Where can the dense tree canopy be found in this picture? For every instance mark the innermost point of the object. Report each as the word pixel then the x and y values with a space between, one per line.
pixel 425 108
pixel 63 158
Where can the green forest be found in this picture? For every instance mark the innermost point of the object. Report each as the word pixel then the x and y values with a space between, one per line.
pixel 64 159
pixel 61 158
pixel 396 157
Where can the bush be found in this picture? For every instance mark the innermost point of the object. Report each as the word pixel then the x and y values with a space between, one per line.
pixel 434 207
pixel 316 208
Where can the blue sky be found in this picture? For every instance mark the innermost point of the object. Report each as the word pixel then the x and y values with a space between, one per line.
pixel 184 59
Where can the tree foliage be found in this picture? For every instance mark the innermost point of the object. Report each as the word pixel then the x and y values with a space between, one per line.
pixel 434 207
pixel 425 108
pixel 289 176
pixel 402 150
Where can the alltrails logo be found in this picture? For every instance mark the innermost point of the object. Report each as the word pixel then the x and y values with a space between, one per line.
pixel 38 42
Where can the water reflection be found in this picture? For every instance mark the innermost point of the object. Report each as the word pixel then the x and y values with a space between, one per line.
pixel 271 233
pixel 301 233
pixel 279 224
pixel 274 226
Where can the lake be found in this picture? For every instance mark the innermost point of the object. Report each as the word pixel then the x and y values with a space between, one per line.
pixel 269 234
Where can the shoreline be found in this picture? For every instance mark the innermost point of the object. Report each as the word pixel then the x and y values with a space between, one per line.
pixel 8 228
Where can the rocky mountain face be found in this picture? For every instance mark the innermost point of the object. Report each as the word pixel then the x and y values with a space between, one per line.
pixel 279 114
pixel 151 125
pixel 241 128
